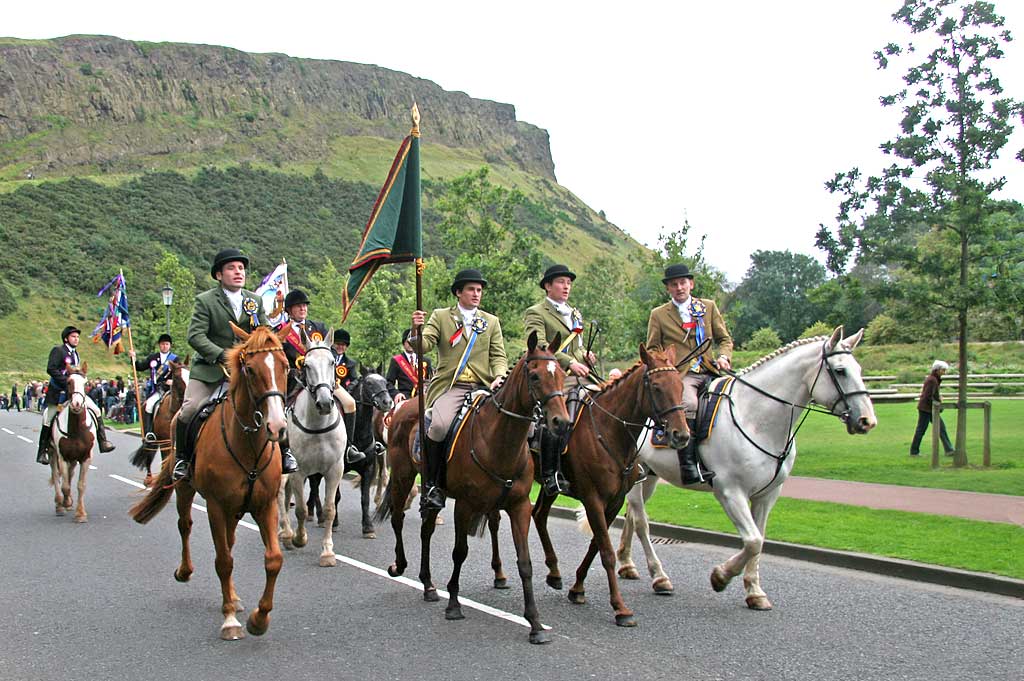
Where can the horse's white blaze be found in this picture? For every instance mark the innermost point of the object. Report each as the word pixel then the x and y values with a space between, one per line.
pixel 552 367
pixel 77 384
pixel 275 405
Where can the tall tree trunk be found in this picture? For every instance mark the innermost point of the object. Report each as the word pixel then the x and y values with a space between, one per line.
pixel 960 457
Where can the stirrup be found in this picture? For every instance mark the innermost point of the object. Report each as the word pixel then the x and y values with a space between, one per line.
pixel 556 484
pixel 432 499
pixel 353 454
pixel 180 471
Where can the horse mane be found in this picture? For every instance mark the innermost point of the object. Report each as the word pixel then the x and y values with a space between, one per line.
pixel 614 382
pixel 781 351
pixel 262 337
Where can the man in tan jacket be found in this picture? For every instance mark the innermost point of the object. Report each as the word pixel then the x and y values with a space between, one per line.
pixel 549 317
pixel 470 355
pixel 686 322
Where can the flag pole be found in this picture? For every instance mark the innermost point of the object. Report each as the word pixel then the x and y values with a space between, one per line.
pixel 131 348
pixel 420 378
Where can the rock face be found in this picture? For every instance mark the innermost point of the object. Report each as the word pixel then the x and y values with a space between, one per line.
pixel 102 102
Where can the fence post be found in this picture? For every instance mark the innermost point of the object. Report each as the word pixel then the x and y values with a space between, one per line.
pixel 987 454
pixel 936 416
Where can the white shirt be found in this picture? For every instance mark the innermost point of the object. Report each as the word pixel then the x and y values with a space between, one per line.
pixel 565 310
pixel 236 301
pixel 467 317
pixel 684 309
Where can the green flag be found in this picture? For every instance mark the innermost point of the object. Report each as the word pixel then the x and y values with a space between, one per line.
pixel 393 233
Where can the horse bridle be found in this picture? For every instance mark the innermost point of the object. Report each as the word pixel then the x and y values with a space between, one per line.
pixel 311 389
pixel 316 386
pixel 257 415
pixel 538 402
pixel 373 397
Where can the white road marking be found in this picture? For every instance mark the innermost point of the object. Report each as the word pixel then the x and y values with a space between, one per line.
pixel 9 432
pixel 469 603
pixel 93 468
pixel 24 439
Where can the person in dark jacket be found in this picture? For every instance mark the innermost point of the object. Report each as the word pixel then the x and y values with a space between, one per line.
pixel 930 394
pixel 402 374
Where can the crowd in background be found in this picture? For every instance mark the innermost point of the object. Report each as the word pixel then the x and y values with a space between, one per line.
pixel 114 397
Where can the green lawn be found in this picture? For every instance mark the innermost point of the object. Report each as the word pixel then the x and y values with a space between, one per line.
pixel 825 450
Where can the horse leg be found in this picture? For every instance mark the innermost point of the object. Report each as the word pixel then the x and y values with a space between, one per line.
pixel 313 505
pixel 493 523
pixel 284 493
pixel 760 507
pixel 231 628
pixel 365 483
pixel 577 593
pixel 235 598
pixel 332 483
pixel 259 619
pixel 398 490
pixel 459 553
pixel 540 520
pixel 80 515
pixel 382 478
pixel 519 519
pixel 299 538
pixel 737 507
pixel 183 496
pixel 55 482
pixel 427 526
pixel 637 519
pixel 67 470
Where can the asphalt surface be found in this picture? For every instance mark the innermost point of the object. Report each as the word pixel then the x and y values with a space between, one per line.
pixel 97 601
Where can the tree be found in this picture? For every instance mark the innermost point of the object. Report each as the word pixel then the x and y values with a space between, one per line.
pixel 147 310
pixel 775 293
pixel 937 191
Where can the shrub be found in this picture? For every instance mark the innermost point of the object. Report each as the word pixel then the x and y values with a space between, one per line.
pixel 884 330
pixel 817 329
pixel 764 338
pixel 7 302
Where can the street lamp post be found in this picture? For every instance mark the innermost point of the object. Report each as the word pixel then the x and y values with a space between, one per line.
pixel 168 292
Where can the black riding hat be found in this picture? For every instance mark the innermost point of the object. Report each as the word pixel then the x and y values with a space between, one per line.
pixel 556 271
pixel 405 334
pixel 68 330
pixel 468 276
pixel 164 337
pixel 295 297
pixel 676 272
pixel 224 257
pixel 342 336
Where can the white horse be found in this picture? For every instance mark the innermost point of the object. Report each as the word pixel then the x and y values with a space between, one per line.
pixel 752 447
pixel 318 442
pixel 71 442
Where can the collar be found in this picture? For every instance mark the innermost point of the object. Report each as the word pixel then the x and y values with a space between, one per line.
pixel 562 308
pixel 685 305
pixel 464 312
pixel 70 349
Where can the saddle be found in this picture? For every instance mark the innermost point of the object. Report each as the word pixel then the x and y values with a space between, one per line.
pixel 709 400
pixel 199 420
pixel 470 402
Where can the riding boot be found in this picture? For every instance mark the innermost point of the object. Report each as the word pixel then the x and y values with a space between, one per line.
pixel 352 454
pixel 431 496
pixel 693 472
pixel 43 455
pixel 101 435
pixel 288 462
pixel 182 454
pixel 552 480
pixel 147 426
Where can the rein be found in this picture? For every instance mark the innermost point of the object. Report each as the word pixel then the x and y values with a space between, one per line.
pixel 311 389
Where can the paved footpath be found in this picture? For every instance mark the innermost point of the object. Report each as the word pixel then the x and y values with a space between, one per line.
pixel 998 508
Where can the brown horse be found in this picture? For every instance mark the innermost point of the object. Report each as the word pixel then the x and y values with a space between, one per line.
pixel 489 469
pixel 601 463
pixel 71 445
pixel 159 438
pixel 237 469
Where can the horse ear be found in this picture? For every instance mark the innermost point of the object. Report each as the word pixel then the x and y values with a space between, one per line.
pixel 239 333
pixel 855 339
pixel 188 358
pixel 531 342
pixel 670 354
pixel 282 333
pixel 380 369
pixel 85 367
pixel 644 357
pixel 837 336
pixel 329 336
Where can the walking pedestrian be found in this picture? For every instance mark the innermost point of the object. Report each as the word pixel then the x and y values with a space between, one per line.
pixel 930 394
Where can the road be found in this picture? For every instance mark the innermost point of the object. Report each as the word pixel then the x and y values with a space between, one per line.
pixel 97 601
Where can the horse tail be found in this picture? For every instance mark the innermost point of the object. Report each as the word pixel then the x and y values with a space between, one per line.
pixel 158 495
pixel 143 457
pixel 384 509
pixel 477 526
pixel 380 478
pixel 583 523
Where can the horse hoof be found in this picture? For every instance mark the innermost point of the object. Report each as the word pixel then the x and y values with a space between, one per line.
pixel 454 614
pixel 60 510
pixel 501 583
pixel 628 572
pixel 577 597
pixel 430 595
pixel 232 633
pixel 719 579
pixel 759 603
pixel 328 560
pixel 540 637
pixel 81 519
pixel 255 629
pixel 625 620
pixel 554 582
pixel 369 535
pixel 663 587
pixel 298 542
pixel 180 578
pixel 393 571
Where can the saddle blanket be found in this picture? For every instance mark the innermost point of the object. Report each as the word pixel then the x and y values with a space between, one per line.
pixel 708 404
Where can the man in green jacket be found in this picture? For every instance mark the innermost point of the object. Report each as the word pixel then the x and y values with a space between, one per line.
pixel 210 335
pixel 549 317
pixel 470 356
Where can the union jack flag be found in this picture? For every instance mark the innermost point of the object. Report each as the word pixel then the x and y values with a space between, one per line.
pixel 115 315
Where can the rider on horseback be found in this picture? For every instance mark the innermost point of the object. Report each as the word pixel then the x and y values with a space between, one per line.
pixel 548 317
pixel 402 374
pixel 62 358
pixel 470 356
pixel 158 365
pixel 296 304
pixel 210 335
pixel 685 321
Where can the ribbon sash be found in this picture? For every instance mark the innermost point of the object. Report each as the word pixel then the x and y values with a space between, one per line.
pixel 407 369
pixel 476 328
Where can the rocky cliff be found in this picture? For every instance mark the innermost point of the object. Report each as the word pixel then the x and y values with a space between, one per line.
pixel 83 104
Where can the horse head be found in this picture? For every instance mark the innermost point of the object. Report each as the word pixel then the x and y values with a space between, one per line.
pixel 76 387
pixel 373 389
pixel 179 376
pixel 317 372
pixel 663 394
pixel 838 384
pixel 538 380
pixel 258 367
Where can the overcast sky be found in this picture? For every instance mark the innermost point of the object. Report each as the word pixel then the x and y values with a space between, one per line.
pixel 732 115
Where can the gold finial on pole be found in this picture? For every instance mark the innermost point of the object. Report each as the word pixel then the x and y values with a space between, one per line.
pixel 415 132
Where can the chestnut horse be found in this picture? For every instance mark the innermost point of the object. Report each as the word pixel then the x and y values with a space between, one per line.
pixel 489 469
pixel 237 469
pixel 71 445
pixel 601 463
pixel 159 439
